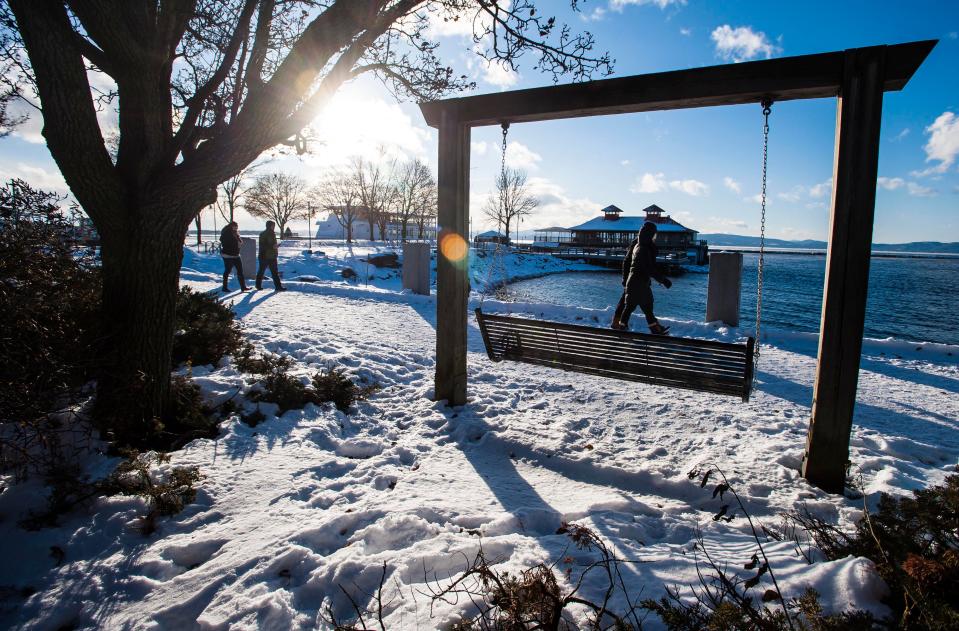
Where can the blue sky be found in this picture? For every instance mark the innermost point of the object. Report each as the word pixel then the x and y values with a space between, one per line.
pixel 703 165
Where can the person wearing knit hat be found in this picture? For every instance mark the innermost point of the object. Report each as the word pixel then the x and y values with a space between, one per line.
pixel 639 266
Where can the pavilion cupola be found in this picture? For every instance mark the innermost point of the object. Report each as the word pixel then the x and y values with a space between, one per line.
pixel 654 213
pixel 611 213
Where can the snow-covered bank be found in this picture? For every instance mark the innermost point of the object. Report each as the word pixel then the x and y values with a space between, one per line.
pixel 302 504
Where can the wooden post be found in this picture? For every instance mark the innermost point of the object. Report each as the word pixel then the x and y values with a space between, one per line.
pixel 452 259
pixel 725 287
pixel 847 267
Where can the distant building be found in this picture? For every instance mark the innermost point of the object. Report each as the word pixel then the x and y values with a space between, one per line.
pixel 614 229
pixel 490 236
pixel 551 238
pixel 331 228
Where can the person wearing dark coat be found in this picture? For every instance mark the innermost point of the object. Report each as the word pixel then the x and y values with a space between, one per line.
pixel 639 266
pixel 267 254
pixel 230 251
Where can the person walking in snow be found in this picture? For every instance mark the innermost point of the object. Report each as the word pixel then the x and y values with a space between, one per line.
pixel 639 266
pixel 267 255
pixel 230 251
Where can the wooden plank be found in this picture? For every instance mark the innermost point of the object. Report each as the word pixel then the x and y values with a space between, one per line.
pixel 847 269
pixel 644 355
pixel 636 355
pixel 500 339
pixel 624 335
pixel 782 79
pixel 539 346
pixel 452 256
pixel 650 379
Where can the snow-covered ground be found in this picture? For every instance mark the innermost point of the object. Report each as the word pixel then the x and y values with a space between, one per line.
pixel 315 500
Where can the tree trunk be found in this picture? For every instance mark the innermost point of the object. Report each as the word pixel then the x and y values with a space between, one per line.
pixel 349 232
pixel 372 233
pixel 199 230
pixel 141 266
pixel 403 237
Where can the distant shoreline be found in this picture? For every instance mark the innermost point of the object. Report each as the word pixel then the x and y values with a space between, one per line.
pixel 821 252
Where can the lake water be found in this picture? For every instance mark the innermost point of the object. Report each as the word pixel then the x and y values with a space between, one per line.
pixel 909 298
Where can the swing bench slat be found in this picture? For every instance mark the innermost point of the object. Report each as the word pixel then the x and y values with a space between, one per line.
pixel 701 365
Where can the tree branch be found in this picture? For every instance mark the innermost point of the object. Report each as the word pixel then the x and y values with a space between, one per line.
pixel 198 101
pixel 70 119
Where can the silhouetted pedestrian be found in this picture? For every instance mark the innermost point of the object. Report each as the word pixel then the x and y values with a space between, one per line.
pixel 267 255
pixel 638 267
pixel 230 241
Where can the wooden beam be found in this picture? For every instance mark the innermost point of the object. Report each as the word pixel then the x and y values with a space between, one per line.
pixel 452 259
pixel 782 79
pixel 859 114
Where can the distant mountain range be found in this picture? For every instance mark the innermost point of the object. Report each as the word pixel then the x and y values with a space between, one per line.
pixel 738 240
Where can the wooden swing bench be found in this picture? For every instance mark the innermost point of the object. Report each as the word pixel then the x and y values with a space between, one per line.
pixel 700 365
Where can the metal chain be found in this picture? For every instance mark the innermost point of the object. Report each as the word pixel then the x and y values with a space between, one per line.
pixel 497 265
pixel 767 110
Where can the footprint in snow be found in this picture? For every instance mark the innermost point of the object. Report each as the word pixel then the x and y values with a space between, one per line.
pixel 193 554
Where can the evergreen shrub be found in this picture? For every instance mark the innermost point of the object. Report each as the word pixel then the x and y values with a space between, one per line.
pixel 206 329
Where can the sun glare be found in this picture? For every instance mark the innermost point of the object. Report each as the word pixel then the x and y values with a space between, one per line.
pixel 356 124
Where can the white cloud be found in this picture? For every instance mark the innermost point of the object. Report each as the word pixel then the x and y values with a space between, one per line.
pixel 447 23
pixel 900 135
pixel 480 147
pixel 499 73
pixel 690 187
pixel 556 207
pixel 625 163
pixel 919 191
pixel 732 185
pixel 943 144
pixel 756 199
pixel 656 182
pixel 686 31
pixel 742 43
pixel 519 156
pixel 30 130
pixel 618 5
pixel 890 183
pixel 649 183
pixel 595 15
pixel 953 35
pixel 794 234
pixel 816 205
pixel 722 224
pixel 793 195
pixel 35 176
pixel 820 190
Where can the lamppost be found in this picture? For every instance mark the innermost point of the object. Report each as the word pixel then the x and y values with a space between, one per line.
pixel 309 228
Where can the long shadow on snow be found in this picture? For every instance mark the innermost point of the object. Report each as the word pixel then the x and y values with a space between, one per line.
pixel 870 361
pixel 884 420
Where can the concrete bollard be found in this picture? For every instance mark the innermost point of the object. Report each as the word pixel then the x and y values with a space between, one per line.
pixel 248 256
pixel 416 267
pixel 725 287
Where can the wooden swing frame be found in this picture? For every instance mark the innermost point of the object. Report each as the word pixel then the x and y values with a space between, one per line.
pixel 858 77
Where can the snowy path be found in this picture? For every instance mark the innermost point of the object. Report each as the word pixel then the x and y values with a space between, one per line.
pixel 293 509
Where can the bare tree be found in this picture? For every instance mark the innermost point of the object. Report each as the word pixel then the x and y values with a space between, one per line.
pixel 412 186
pixel 372 180
pixel 278 197
pixel 339 196
pixel 428 211
pixel 201 89
pixel 511 199
pixel 198 223
pixel 229 194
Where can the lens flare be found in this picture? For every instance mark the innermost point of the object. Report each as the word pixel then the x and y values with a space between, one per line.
pixel 452 246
